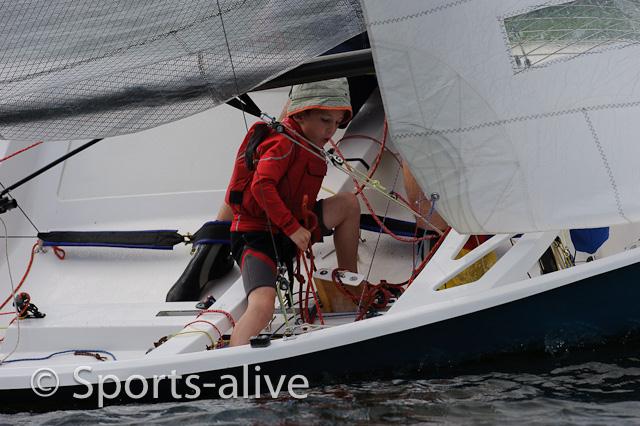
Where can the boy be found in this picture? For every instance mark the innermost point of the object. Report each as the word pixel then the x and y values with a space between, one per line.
pixel 268 217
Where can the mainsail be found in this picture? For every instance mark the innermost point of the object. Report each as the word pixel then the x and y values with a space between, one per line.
pixel 89 69
pixel 521 115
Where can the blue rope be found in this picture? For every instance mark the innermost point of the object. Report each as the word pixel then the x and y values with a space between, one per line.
pixel 60 353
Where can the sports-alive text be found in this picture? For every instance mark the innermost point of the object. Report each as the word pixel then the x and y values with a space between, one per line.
pixel 45 383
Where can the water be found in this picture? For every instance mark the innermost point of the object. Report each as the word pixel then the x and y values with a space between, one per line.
pixel 602 390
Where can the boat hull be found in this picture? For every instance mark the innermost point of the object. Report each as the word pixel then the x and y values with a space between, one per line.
pixel 586 314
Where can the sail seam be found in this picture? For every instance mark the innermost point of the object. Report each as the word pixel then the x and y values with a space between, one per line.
pixel 605 162
pixel 516 120
pixel 418 14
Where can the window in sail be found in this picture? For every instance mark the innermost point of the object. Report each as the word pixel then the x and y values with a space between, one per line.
pixel 565 31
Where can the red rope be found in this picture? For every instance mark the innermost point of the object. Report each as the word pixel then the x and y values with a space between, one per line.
pixel 60 253
pixel 360 187
pixel 310 223
pixel 395 155
pixel 211 324
pixel 23 311
pixel 370 291
pixel 24 277
pixel 378 159
pixel 20 151
pixel 376 162
pixel 335 277
pixel 309 270
pixel 428 257
pixel 218 311
pixel 383 289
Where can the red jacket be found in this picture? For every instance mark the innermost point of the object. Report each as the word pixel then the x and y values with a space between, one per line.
pixel 284 174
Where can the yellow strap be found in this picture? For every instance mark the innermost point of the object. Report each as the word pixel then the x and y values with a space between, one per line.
pixel 328 190
pixel 213 343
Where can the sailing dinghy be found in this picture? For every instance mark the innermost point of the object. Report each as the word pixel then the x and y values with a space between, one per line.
pixel 516 119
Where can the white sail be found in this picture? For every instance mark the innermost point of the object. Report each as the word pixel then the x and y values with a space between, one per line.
pixel 521 116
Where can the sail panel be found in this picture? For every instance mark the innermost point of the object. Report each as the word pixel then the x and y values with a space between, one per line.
pixel 88 69
pixel 512 141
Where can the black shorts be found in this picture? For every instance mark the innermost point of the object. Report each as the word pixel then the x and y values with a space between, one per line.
pixel 258 253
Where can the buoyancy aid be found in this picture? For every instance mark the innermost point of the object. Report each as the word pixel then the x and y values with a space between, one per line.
pixel 273 191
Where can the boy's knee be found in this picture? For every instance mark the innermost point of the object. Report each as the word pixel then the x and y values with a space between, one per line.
pixel 351 204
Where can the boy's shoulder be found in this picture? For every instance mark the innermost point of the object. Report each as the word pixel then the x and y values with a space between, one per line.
pixel 275 140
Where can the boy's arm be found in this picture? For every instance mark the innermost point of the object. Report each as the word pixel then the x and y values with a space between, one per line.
pixel 275 158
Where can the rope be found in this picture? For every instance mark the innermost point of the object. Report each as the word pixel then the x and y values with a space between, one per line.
pixel 311 223
pixel 182 333
pixel 211 324
pixel 378 159
pixel 20 151
pixel 393 196
pixel 22 211
pixel 75 352
pixel 24 277
pixel 60 253
pixel 13 289
pixel 218 311
pixel 339 163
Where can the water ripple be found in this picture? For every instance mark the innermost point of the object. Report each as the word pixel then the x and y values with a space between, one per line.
pixel 593 392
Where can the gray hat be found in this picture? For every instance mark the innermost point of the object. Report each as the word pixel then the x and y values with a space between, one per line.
pixel 327 95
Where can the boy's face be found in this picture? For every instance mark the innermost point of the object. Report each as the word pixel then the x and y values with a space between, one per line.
pixel 320 125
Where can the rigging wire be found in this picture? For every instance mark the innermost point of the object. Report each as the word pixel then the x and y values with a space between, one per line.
pixel 24 277
pixel 233 69
pixel 380 234
pixel 6 253
pixel 359 177
pixel 20 151
pixel 246 125
pixel 54 163
pixel 23 212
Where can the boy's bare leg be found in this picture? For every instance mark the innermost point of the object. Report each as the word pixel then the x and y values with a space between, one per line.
pixel 259 312
pixel 342 212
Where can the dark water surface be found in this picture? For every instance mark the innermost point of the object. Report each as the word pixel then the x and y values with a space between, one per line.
pixel 602 389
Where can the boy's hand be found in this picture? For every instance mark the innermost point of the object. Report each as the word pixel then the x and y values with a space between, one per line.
pixel 301 238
